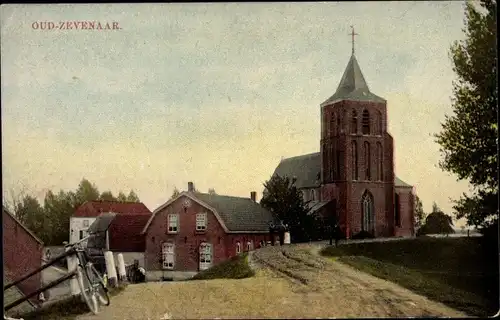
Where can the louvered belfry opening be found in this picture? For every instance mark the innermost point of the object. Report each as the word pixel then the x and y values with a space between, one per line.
pixel 366 122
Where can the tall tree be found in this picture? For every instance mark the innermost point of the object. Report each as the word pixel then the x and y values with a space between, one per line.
pixel 437 222
pixel 107 196
pixel 87 191
pixel 121 197
pixel 285 201
pixel 132 197
pixel 419 212
pixel 468 138
pixel 31 214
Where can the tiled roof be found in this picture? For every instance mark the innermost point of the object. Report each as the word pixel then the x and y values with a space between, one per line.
pixel 314 206
pixel 95 208
pixel 124 231
pixel 238 214
pixel 400 183
pixel 353 86
pixel 307 168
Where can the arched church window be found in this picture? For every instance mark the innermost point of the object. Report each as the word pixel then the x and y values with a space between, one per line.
pixel 333 129
pixel 354 122
pixel 366 122
pixel 330 163
pixel 379 123
pixel 339 125
pixel 313 195
pixel 354 150
pixel 397 210
pixel 367 159
pixel 380 161
pixel 368 216
pixel 324 124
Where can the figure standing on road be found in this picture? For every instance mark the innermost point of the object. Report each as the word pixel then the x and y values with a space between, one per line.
pixel 336 233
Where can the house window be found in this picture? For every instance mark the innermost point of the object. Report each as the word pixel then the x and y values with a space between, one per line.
pixel 168 255
pixel 380 156
pixel 354 122
pixel 173 223
pixel 201 222
pixel 397 210
pixel 367 161
pixel 238 247
pixel 82 234
pixel 85 223
pixel 354 147
pixel 366 122
pixel 205 255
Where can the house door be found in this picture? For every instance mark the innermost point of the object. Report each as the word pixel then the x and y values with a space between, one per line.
pixel 205 256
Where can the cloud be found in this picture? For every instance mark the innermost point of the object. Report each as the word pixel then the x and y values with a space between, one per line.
pixel 214 93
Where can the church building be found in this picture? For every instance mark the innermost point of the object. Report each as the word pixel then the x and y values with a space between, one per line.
pixel 352 176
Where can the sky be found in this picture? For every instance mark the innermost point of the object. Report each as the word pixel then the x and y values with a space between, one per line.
pixel 214 93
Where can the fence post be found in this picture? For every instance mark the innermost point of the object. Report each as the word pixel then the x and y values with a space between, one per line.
pixel 110 268
pixel 72 265
pixel 121 268
pixel 287 238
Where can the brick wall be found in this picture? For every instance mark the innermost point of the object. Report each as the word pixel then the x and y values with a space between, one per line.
pixel 407 212
pixel 188 240
pixel 22 254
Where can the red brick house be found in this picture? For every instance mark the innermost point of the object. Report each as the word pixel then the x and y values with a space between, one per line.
pixel 22 254
pixel 123 229
pixel 195 231
pixel 353 174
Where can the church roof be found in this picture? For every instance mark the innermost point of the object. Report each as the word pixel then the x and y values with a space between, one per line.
pixel 353 86
pixel 307 170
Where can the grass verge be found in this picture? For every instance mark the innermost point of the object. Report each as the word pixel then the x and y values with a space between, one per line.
pixel 67 309
pixel 235 268
pixel 459 272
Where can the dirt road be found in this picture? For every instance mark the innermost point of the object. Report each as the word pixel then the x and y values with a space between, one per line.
pixel 291 282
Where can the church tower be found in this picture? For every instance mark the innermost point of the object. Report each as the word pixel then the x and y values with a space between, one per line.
pixel 357 156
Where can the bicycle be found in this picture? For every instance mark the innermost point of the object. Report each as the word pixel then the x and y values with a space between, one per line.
pixel 91 284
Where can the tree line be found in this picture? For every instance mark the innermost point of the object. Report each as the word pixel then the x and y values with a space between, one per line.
pixel 49 220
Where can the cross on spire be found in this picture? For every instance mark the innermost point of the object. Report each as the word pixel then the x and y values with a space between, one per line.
pixel 352 34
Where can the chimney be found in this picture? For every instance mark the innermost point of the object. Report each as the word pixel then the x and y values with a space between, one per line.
pixel 190 186
pixel 253 196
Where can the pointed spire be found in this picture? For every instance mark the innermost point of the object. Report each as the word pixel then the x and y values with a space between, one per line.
pixel 353 78
pixel 352 85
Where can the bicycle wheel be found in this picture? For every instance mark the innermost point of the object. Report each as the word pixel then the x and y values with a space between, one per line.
pixel 97 282
pixel 86 290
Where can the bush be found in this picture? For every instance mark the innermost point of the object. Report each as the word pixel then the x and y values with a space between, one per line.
pixel 363 235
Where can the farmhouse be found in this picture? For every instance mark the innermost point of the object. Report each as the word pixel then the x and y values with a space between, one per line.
pixel 88 212
pixel 121 224
pixel 195 230
pixel 352 177
pixel 22 254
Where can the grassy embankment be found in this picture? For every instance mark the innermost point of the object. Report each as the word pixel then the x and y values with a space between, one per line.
pixel 67 309
pixel 459 272
pixel 235 268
